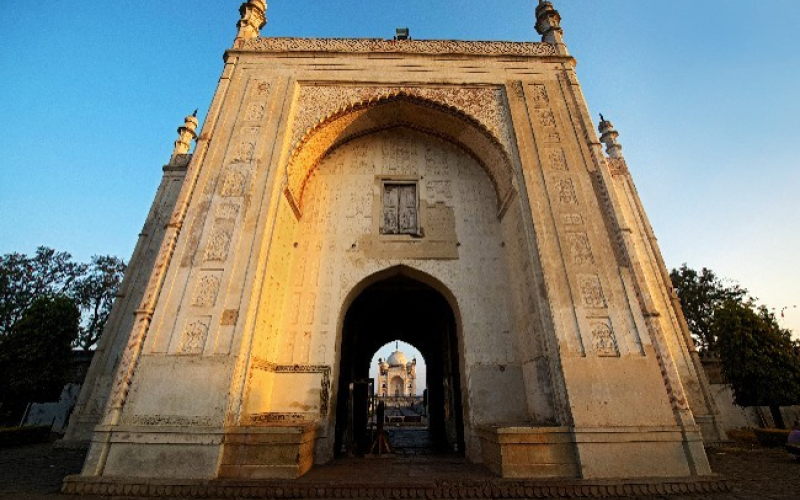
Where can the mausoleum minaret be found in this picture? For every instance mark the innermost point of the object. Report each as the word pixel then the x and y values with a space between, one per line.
pixel 548 24
pixel 608 136
pixel 186 134
pixel 254 17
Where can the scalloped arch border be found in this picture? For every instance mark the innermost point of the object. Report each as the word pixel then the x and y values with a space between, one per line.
pixel 299 169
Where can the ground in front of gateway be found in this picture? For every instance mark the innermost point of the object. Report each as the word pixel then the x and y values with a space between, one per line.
pixel 35 472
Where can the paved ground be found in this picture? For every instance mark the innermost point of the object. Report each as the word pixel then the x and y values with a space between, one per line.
pixel 35 472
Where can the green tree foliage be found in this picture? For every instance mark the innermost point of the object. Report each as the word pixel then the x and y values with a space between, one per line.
pixel 701 294
pixel 35 355
pixel 49 273
pixel 94 292
pixel 24 279
pixel 757 356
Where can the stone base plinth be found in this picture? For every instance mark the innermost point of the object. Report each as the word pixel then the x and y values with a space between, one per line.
pixel 529 452
pixel 593 453
pixel 276 452
pixel 625 452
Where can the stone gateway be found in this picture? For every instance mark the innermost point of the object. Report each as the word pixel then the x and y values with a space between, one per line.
pixel 344 193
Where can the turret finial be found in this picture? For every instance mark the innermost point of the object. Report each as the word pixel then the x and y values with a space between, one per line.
pixel 253 17
pixel 548 24
pixel 609 137
pixel 186 134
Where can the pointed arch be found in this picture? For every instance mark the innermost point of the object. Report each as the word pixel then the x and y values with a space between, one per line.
pixel 399 109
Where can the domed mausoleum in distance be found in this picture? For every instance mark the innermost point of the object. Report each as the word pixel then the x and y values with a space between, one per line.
pixel 397 377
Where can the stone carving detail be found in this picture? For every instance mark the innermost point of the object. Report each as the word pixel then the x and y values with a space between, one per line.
pixel 194 336
pixel 439 191
pixel 580 249
pixel 592 292
pixel 557 158
pixel 546 118
pixel 483 104
pixel 553 137
pixel 516 87
pixel 262 88
pixel 617 166
pixel 205 292
pixel 218 245
pixel 255 111
pixel 272 417
pixel 351 45
pixel 603 340
pixel 572 219
pixel 244 153
pixel 539 95
pixel 566 192
pixel 234 183
pixel 169 420
pixel 227 211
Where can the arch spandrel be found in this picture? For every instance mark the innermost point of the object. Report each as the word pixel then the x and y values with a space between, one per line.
pixel 445 117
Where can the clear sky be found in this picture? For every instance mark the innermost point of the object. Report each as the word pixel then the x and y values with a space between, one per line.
pixel 704 95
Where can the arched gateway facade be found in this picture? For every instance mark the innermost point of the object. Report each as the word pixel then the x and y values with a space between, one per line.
pixel 344 193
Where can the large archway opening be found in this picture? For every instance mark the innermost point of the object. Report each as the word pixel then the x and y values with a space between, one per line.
pixel 399 308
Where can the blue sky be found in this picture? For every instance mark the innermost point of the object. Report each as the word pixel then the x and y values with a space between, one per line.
pixel 704 95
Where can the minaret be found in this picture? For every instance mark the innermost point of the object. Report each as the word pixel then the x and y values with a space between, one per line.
pixel 186 134
pixel 609 137
pixel 548 24
pixel 253 18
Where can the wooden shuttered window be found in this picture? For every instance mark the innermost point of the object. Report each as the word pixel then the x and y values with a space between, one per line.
pixel 400 215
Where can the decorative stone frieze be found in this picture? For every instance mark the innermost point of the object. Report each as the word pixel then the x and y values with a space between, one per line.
pixel 366 45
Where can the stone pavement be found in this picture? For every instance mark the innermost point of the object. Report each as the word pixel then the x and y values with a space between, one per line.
pixel 35 472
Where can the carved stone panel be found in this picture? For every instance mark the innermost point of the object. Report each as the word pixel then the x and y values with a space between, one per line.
pixel 195 333
pixel 206 291
pixel 243 153
pixel 591 289
pixel 557 159
pixel 603 341
pixel 546 118
pixel 565 190
pixel 580 249
pixel 234 182
pixel 539 96
pixel 218 245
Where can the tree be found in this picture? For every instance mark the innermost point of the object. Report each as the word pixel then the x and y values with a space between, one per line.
pixel 35 355
pixel 757 357
pixel 24 279
pixel 701 294
pixel 94 292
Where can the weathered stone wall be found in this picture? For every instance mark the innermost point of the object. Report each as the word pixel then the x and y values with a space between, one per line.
pixel 337 245
pixel 543 253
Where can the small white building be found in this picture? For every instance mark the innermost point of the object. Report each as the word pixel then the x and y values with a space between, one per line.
pixel 397 377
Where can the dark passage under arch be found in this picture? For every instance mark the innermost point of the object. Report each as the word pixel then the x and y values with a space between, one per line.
pixel 400 307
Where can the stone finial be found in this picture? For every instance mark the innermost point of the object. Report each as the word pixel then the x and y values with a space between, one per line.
pixel 609 138
pixel 548 23
pixel 254 17
pixel 185 135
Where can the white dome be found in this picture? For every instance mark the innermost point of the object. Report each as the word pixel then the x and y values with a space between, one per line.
pixel 397 359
